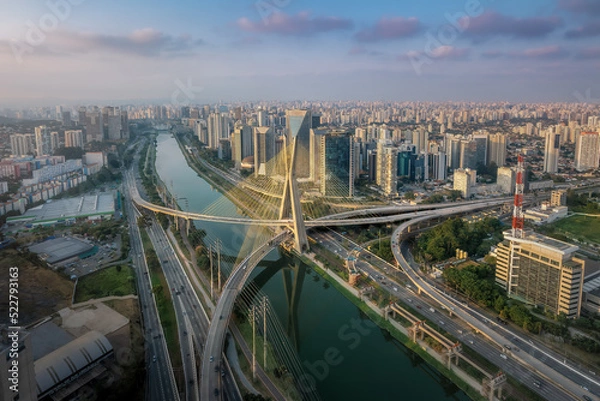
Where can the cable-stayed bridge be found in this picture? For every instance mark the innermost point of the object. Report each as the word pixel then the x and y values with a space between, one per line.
pixel 284 214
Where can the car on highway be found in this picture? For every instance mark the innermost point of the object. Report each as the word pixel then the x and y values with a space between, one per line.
pixel 154 358
pixel 503 356
pixel 586 398
pixel 537 384
pixel 212 358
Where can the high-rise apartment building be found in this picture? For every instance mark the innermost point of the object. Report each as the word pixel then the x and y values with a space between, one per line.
pixel 452 145
pixel 124 125
pixel 298 124
pixel 587 151
pixel 387 165
pixel 542 271
pixel 54 141
pixel 66 119
pixel 420 137
pixel 81 116
pixel 112 122
pixel 94 127
pixel 437 166
pixel 337 164
pixel 43 145
pixel 217 129
pixel 74 139
pixel 551 152
pixel 497 149
pixel 22 144
pixel 506 179
pixel 464 179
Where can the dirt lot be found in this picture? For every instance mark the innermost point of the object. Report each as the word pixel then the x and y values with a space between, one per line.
pixel 41 290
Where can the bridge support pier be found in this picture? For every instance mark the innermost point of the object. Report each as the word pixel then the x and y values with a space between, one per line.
pixel 494 384
pixel 290 203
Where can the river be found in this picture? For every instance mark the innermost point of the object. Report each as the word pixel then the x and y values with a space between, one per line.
pixel 343 354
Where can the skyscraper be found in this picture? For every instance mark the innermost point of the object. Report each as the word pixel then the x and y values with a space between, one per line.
pixel 113 123
pixel 337 164
pixel 42 141
pixel 473 151
pixel 298 124
pixel 587 151
pixel 81 116
pixel 452 148
pixel 66 119
pixel 241 143
pixel 551 151
pixel 264 149
pixel 218 128
pixel 124 125
pixel 94 128
pixel 387 168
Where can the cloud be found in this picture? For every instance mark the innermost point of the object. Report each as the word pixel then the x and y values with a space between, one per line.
pixel 588 30
pixel 545 53
pixel 441 52
pixel 589 53
pixel 301 24
pixel 146 42
pixel 390 29
pixel 587 7
pixel 492 23
pixel 538 53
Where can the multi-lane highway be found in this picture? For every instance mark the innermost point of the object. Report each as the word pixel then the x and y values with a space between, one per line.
pixel 211 381
pixel 567 380
pixel 399 286
pixel 160 381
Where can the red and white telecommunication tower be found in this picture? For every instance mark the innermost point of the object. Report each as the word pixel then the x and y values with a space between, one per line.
pixel 518 221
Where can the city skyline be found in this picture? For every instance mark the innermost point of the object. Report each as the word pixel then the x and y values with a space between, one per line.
pixel 67 51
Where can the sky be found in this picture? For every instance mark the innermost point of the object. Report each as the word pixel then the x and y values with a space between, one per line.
pixel 75 51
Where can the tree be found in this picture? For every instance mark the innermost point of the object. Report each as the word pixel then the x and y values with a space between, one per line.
pixel 454 195
pixel 70 153
pixel 410 195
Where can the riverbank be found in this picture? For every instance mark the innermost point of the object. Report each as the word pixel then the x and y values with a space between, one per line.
pixel 459 377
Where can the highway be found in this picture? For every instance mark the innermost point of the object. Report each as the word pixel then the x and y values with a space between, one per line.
pixel 400 287
pixel 192 320
pixel 211 385
pixel 160 379
pixel 551 369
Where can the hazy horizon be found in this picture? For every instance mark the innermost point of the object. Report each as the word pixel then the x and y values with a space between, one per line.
pixel 76 51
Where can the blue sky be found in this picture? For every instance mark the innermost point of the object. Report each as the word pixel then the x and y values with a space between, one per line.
pixel 481 50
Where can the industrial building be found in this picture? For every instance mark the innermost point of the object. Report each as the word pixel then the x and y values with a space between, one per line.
pixel 92 207
pixel 55 251
pixel 65 370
